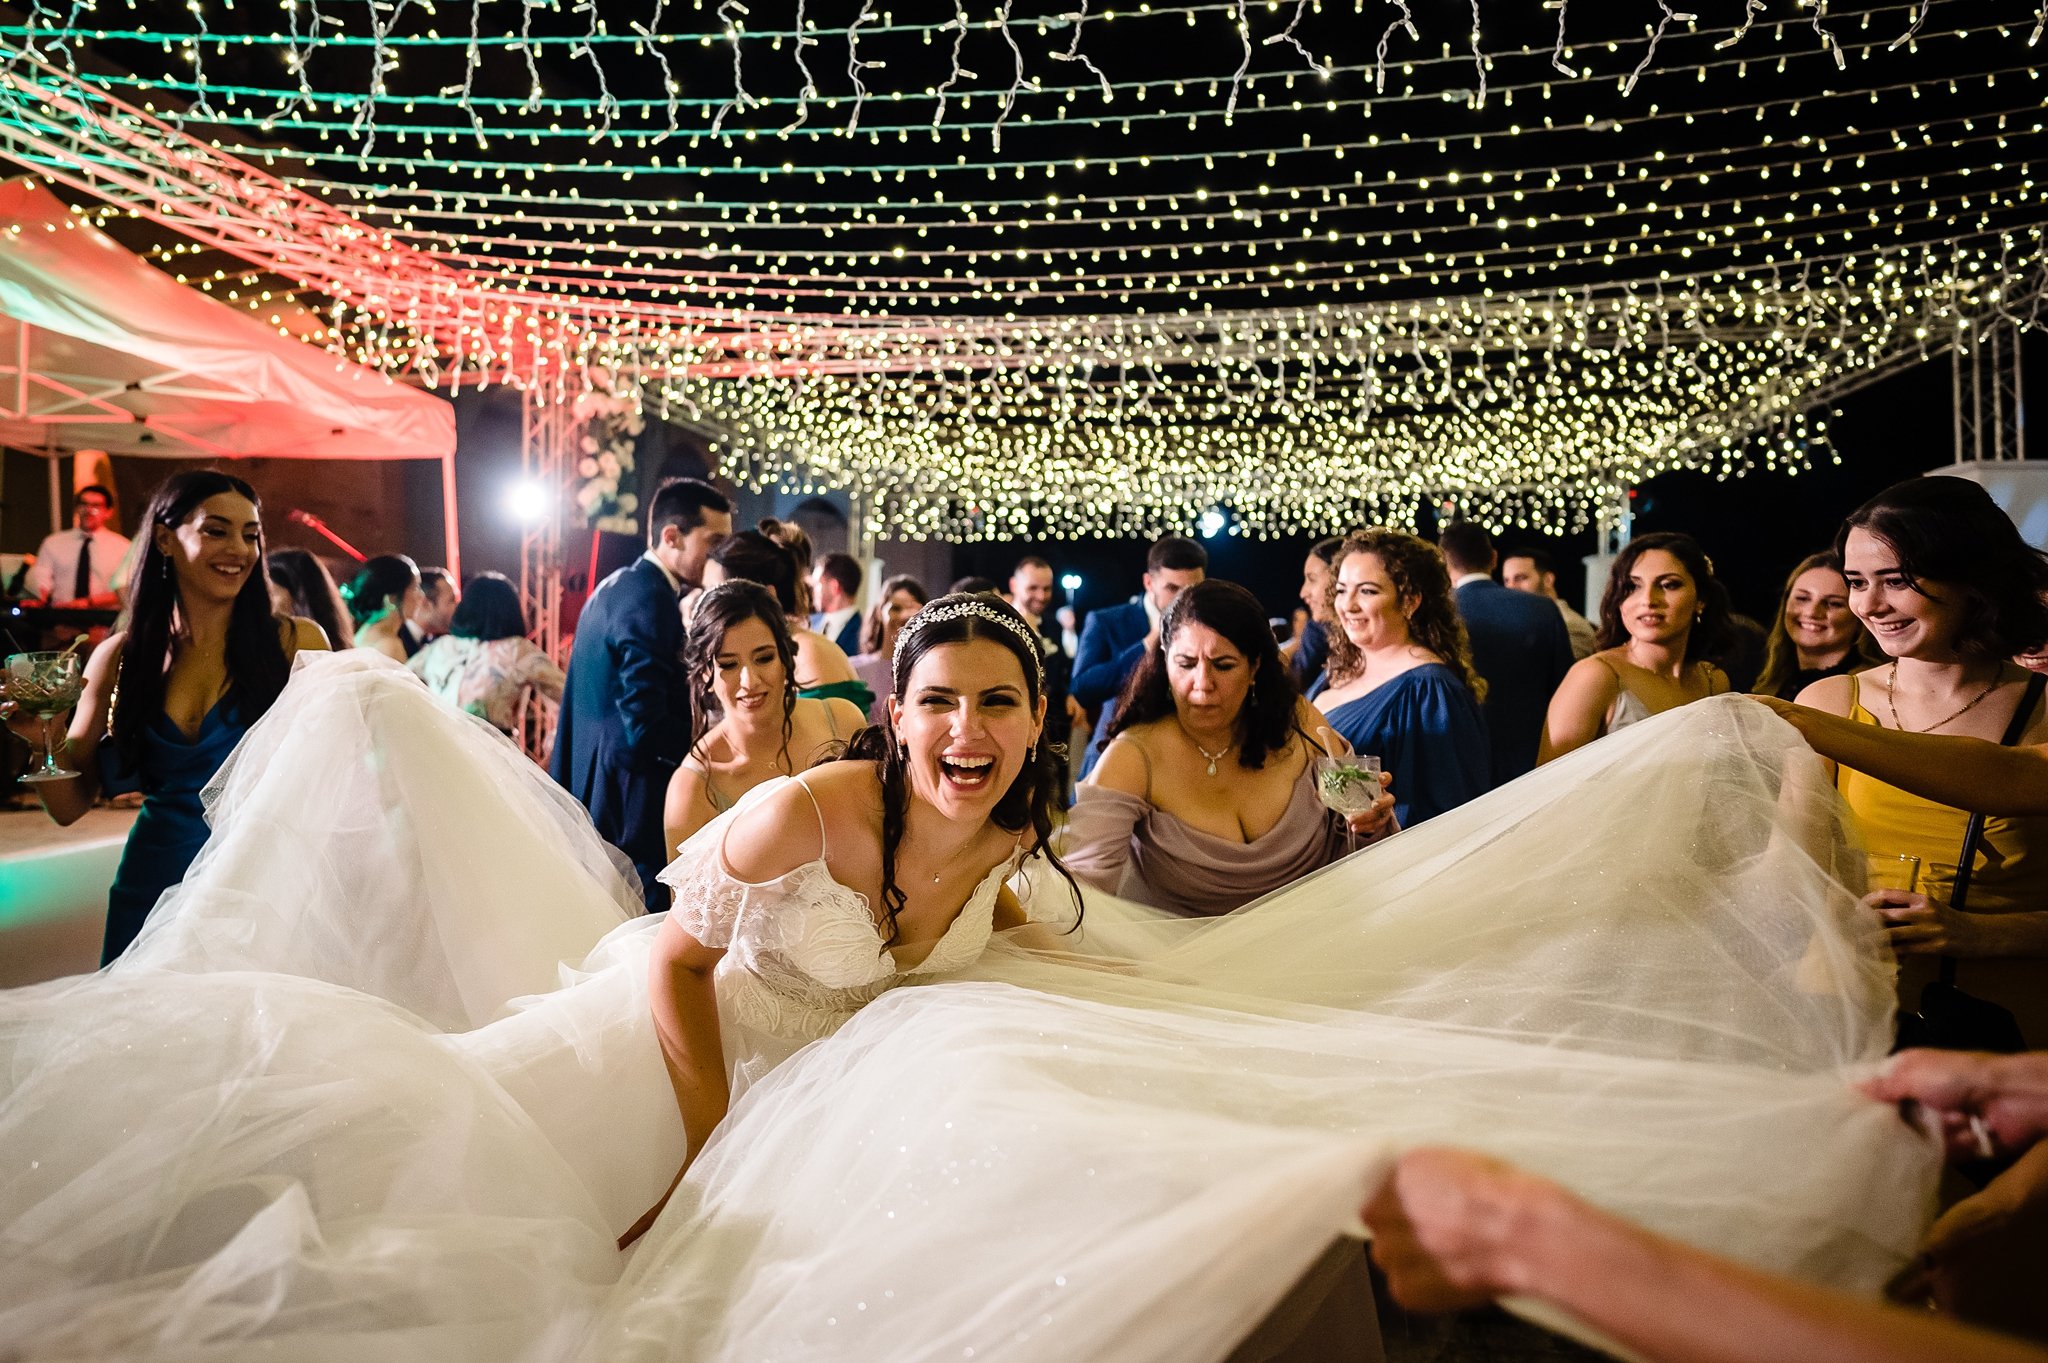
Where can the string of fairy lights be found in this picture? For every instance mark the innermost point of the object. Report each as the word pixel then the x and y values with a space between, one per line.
pixel 1094 271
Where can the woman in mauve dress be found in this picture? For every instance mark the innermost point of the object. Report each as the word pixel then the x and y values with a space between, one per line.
pixel 1205 798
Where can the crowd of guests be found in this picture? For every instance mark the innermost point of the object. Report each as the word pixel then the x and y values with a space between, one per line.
pixel 1908 653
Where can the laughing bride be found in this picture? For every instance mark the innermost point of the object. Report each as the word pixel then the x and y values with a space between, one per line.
pixel 393 1069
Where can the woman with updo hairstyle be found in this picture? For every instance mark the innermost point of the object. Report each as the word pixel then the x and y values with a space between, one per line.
pixel 822 890
pixel 384 591
pixel 1663 617
pixel 305 588
pixel 793 537
pixel 1814 634
pixel 901 597
pixel 823 671
pixel 1400 684
pixel 752 726
pixel 1205 798
pixel 197 658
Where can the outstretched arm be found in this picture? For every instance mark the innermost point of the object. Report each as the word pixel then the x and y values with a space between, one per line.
pixel 769 840
pixel 1453 1229
pixel 1969 773
pixel 685 1008
pixel 1097 848
pixel 66 801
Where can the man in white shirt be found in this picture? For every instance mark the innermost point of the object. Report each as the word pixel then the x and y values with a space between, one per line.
pixel 835 587
pixel 76 569
pixel 1530 571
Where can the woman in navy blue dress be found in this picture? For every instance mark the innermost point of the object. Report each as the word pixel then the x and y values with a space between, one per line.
pixel 198 659
pixel 1400 684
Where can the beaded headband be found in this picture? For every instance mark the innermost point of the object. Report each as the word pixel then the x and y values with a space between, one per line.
pixel 928 617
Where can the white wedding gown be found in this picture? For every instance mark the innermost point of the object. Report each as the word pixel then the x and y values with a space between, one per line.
pixel 378 1080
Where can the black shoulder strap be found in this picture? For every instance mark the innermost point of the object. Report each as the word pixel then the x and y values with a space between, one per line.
pixel 1973 832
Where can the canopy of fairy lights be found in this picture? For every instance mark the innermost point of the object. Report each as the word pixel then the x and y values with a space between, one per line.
pixel 1094 271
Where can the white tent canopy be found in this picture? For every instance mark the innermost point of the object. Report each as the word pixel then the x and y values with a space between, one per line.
pixel 102 351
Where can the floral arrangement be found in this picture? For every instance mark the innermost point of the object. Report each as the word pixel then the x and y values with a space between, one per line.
pixel 610 425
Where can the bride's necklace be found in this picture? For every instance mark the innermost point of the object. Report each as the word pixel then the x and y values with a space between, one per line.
pixel 1891 700
pixel 1214 757
pixel 950 859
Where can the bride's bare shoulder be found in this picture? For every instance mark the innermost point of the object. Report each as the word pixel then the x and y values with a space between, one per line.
pixel 781 830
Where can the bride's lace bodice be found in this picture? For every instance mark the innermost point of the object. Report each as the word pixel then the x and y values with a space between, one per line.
pixel 803 952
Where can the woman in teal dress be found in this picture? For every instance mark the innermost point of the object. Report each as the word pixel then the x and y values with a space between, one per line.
pixel 1400 684
pixel 198 658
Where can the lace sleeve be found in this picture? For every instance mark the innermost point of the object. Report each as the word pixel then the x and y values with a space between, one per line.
pixel 709 903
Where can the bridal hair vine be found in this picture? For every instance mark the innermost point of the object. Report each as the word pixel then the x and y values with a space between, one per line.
pixel 928 617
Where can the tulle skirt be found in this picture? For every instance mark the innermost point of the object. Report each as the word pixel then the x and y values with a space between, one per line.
pixel 379 1081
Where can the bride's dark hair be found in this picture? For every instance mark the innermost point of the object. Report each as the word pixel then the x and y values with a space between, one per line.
pixel 717 610
pixel 1031 798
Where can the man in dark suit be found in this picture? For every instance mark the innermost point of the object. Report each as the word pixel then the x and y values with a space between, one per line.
pixel 625 717
pixel 1031 593
pixel 1519 645
pixel 439 596
pixel 1115 639
pixel 835 587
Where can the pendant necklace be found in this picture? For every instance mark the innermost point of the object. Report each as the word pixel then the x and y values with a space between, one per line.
pixel 1214 757
pixel 1891 698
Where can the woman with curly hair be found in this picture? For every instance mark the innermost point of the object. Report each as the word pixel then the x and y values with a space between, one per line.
pixel 1663 616
pixel 1205 798
pixel 1401 685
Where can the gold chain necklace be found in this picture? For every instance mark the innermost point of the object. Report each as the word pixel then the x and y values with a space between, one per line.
pixel 1891 700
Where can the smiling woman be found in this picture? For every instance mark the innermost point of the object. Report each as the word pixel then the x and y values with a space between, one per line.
pixel 1815 634
pixel 751 724
pixel 197 659
pixel 1950 592
pixel 1401 686
pixel 817 893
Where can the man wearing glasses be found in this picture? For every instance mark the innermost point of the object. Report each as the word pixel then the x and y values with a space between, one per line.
pixel 76 569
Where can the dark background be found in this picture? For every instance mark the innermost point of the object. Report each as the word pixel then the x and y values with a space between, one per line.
pixel 1755 526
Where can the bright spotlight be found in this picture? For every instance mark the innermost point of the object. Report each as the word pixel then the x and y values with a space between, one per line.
pixel 1212 522
pixel 527 500
pixel 1072 583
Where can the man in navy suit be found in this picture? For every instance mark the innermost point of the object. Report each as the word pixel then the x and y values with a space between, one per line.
pixel 1519 645
pixel 625 717
pixel 1115 639
pixel 835 586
